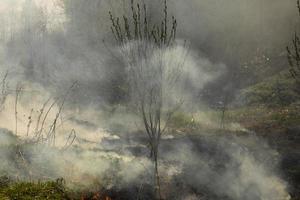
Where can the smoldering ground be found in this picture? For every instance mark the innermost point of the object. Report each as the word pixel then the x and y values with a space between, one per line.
pixel 48 47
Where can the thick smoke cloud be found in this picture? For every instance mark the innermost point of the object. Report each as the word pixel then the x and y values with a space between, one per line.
pixel 229 167
pixel 232 30
pixel 64 41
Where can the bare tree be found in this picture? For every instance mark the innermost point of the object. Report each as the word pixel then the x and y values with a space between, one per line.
pixel 144 47
pixel 4 91
pixel 294 56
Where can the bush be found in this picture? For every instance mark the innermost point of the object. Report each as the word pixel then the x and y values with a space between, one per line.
pixel 181 120
pixel 276 91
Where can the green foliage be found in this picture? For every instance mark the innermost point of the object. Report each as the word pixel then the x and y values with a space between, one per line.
pixel 262 118
pixel 278 90
pixel 54 190
pixel 139 27
pixel 181 120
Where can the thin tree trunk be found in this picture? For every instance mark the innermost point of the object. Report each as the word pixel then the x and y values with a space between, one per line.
pixel 157 178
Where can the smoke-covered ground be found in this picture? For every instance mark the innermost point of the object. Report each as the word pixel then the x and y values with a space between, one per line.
pixel 72 117
pixel 110 151
pixel 198 165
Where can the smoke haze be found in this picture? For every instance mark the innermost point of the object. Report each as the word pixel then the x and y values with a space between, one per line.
pixel 48 45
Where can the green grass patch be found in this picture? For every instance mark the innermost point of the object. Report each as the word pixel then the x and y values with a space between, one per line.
pixel 262 117
pixel 54 190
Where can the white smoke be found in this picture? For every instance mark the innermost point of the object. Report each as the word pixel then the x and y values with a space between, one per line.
pixel 48 62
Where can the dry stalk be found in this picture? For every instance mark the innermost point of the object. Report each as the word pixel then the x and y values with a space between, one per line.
pixel 41 111
pixel 4 91
pixel 18 91
pixel 51 136
pixel 70 140
pixel 29 122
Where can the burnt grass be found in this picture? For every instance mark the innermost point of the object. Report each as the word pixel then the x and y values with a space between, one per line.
pixel 287 144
